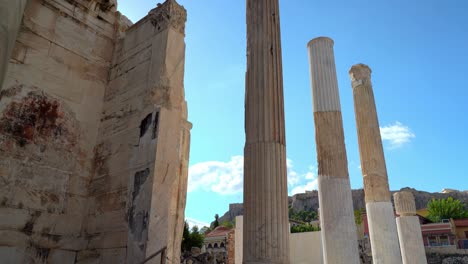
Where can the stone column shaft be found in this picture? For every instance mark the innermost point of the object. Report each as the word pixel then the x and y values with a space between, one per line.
pixel 266 229
pixel 409 229
pixel 339 237
pixel 11 14
pixel 380 215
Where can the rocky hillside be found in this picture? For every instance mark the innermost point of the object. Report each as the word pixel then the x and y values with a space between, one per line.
pixel 309 201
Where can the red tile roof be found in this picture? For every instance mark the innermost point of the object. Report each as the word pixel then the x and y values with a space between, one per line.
pixel 461 222
pixel 218 231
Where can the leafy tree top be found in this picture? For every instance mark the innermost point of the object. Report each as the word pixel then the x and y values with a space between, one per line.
pixel 439 209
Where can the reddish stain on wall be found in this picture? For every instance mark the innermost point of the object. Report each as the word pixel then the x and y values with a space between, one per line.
pixel 34 118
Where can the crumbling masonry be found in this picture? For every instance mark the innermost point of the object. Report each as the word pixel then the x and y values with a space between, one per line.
pixel 94 137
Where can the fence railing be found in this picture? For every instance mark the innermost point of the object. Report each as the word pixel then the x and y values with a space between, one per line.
pixel 161 252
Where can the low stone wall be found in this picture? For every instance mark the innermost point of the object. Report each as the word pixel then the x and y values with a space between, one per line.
pixel 437 258
pixel 447 250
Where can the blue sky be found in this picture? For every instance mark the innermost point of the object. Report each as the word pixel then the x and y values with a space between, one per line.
pixel 417 50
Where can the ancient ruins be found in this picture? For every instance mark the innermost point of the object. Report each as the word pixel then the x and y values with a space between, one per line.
pixel 94 137
pixel 266 230
pixel 379 208
pixel 94 141
pixel 409 229
pixel 336 206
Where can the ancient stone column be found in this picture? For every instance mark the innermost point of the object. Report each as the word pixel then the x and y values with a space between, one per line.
pixel 11 14
pixel 409 229
pixel 380 215
pixel 339 237
pixel 266 229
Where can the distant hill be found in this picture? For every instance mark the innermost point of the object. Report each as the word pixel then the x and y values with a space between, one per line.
pixel 309 201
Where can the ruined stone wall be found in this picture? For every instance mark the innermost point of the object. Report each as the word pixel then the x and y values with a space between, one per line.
pixel 231 247
pixel 50 105
pixel 138 190
pixel 94 137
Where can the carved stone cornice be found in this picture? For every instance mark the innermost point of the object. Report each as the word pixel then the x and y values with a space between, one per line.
pixel 169 14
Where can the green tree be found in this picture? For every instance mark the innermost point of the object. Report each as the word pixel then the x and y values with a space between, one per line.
pixel 228 224
pixel 196 237
pixel 303 216
pixel 439 209
pixel 186 238
pixel 205 230
pixel 358 216
pixel 304 228
pixel 216 222
pixel 191 238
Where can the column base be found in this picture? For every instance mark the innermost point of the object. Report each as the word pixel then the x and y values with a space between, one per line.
pixel 411 241
pixel 383 233
pixel 339 236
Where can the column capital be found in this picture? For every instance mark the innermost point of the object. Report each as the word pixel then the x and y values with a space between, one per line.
pixel 169 15
pixel 360 74
pixel 404 203
pixel 321 39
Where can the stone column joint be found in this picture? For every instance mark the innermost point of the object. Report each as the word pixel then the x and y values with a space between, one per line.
pixel 404 203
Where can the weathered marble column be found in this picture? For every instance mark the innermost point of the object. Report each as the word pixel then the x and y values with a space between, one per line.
pixel 380 215
pixel 11 14
pixel 266 229
pixel 339 237
pixel 409 229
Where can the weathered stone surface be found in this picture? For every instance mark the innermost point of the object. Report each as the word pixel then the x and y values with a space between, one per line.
pixel 94 137
pixel 11 14
pixel 334 187
pixel 404 203
pixel 382 227
pixel 409 229
pixel 266 232
pixel 61 257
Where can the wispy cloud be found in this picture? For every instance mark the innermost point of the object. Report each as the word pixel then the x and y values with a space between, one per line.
pixel 217 176
pixel 301 182
pixel 226 178
pixel 311 185
pixel 396 134
pixel 194 222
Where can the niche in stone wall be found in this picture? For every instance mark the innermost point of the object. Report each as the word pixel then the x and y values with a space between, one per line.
pixel 150 121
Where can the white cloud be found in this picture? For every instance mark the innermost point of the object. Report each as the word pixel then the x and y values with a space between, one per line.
pixel 396 134
pixel 226 178
pixel 311 185
pixel 194 222
pixel 293 177
pixel 217 176
pixel 299 183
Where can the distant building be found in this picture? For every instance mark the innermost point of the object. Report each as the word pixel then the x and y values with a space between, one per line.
pixel 216 240
pixel 438 234
pixel 293 222
pixel 448 190
pixel 461 232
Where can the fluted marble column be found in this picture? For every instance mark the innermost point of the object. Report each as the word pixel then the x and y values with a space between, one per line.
pixel 339 237
pixel 266 228
pixel 380 215
pixel 11 14
pixel 409 229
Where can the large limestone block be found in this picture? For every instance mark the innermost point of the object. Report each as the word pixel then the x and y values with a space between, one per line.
pixel 11 14
pixel 12 218
pixel 57 256
pixel 411 240
pixel 109 240
pixel 11 255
